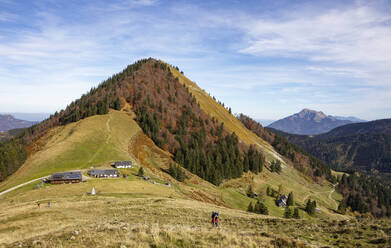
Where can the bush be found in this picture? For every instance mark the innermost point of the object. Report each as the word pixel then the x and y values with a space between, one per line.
pixel 140 172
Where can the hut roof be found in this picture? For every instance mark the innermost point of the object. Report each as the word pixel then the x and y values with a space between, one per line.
pixel 71 175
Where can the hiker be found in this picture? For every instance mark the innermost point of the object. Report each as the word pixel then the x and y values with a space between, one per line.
pixel 48 204
pixel 39 205
pixel 215 219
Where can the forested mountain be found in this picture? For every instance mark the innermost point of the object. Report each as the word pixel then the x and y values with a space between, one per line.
pixel 10 133
pixel 170 115
pixel 308 122
pixel 359 146
pixel 304 162
pixel 8 122
pixel 166 111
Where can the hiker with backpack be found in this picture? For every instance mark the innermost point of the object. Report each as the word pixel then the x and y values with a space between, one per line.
pixel 215 219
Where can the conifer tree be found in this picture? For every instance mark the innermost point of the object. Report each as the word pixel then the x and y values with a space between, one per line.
pixel 278 166
pixel 140 172
pixel 263 209
pixel 290 201
pixel 272 166
pixel 288 213
pixel 342 207
pixel 296 214
pixel 117 104
pixel 250 207
pixel 268 191
pixel 250 191
pixel 310 207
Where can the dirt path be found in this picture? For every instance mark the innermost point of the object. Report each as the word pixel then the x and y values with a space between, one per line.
pixel 108 129
pixel 34 180
pixel 21 185
pixel 106 141
pixel 329 196
pixel 331 192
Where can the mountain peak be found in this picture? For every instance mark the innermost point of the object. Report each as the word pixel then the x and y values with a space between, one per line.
pixel 310 114
pixel 308 122
pixel 8 122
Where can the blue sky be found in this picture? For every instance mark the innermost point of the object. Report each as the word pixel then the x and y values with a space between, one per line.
pixel 268 59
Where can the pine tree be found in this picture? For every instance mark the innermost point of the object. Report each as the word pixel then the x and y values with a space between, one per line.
pixel 342 207
pixel 290 201
pixel 250 207
pixel 296 214
pixel 246 164
pixel 117 104
pixel 260 208
pixel 310 207
pixel 272 167
pixel 140 172
pixel 250 191
pixel 172 171
pixel 257 207
pixel 263 209
pixel 278 166
pixel 288 213
pixel 268 191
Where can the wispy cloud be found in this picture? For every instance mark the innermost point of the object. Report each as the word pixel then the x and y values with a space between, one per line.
pixel 357 34
pixel 260 63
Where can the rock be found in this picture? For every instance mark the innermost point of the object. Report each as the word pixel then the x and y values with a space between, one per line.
pixel 73 238
pixel 36 242
pixel 123 246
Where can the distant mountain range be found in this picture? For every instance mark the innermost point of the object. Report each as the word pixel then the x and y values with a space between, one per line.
pixel 311 122
pixel 34 117
pixel 349 118
pixel 8 122
pixel 358 146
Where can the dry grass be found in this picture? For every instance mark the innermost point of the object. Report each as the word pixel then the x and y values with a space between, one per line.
pixel 160 219
pixel 222 115
pixel 93 141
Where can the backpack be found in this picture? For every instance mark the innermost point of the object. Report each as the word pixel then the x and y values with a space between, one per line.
pixel 215 214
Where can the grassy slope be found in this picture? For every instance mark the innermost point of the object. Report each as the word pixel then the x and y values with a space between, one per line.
pixel 136 213
pixel 97 140
pixel 222 115
pixel 290 177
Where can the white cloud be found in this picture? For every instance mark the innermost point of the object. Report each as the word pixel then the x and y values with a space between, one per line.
pixel 351 35
pixel 66 56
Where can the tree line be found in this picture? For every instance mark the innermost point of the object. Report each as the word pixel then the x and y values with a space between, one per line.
pixel 363 193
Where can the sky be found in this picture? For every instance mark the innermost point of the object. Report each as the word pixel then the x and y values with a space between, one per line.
pixel 267 59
